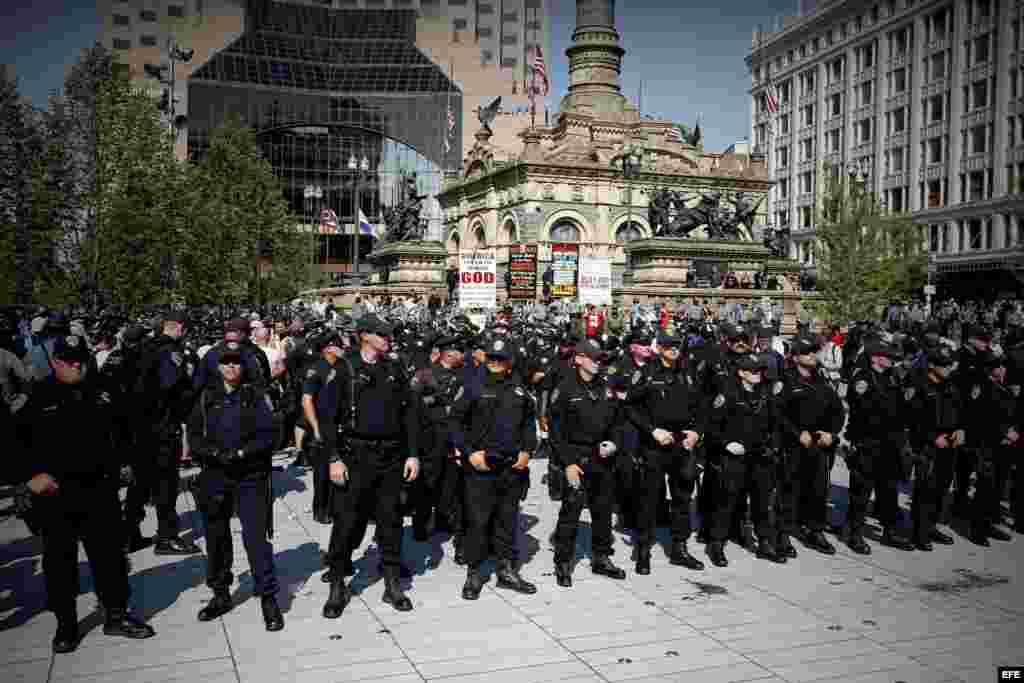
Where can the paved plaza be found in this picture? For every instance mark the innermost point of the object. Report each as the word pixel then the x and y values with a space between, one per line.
pixel 950 615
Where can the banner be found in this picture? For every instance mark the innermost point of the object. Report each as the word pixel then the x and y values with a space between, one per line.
pixel 478 279
pixel 565 260
pixel 522 264
pixel 595 282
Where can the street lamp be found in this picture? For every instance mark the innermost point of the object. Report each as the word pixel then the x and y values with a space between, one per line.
pixel 165 75
pixel 358 168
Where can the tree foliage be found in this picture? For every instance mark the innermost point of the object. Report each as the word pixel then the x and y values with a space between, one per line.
pixel 866 259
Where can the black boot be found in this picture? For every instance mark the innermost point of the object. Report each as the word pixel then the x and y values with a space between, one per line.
pixel 120 623
pixel 217 607
pixel 785 547
pixel 817 541
pixel 346 570
pixel 922 542
pixel 67 637
pixel 134 540
pixel 509 578
pixel 681 557
pixel 766 551
pixel 460 553
pixel 394 596
pixel 858 544
pixel 702 536
pixel 891 539
pixel 175 546
pixel 474 584
pixel 998 534
pixel 272 617
pixel 338 600
pixel 563 574
pixel 716 553
pixel 643 560
pixel 979 536
pixel 420 530
pixel 940 537
pixel 603 565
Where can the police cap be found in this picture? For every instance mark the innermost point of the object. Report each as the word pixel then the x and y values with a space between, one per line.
pixel 752 361
pixel 371 324
pixel 70 348
pixel 939 355
pixel 805 344
pixel 591 349
pixel 450 343
pixel 979 332
pixel 732 331
pixel 498 348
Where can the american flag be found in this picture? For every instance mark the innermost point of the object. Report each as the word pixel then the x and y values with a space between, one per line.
pixel 674 134
pixel 451 129
pixel 328 222
pixel 538 70
pixel 771 99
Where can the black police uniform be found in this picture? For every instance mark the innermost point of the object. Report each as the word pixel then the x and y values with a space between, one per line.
pixel 971 377
pixel 808 404
pixel 998 405
pixel 665 398
pixel 935 408
pixel 232 433
pixel 496 417
pixel 584 415
pixel 748 417
pixel 622 375
pixel 379 419
pixel 324 384
pixel 877 432
pixel 69 430
pixel 165 391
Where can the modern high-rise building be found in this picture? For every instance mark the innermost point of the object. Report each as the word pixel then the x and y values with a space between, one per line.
pixel 925 98
pixel 485 46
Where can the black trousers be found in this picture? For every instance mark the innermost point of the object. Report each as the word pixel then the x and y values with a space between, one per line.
pixel 374 487
pixel 650 486
pixel 932 479
pixel 156 479
pixel 451 497
pixel 967 463
pixel 597 490
pixel 217 498
pixel 734 476
pixel 426 490
pixel 86 511
pixel 492 497
pixel 993 467
pixel 874 467
pixel 803 487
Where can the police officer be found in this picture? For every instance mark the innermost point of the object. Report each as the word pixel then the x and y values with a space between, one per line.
pixel 585 430
pixel 321 403
pixel 165 394
pixel 494 431
pixel 231 431
pixel 876 431
pixel 996 438
pixel 380 420
pixel 744 437
pixel 623 374
pixel 236 333
pixel 936 434
pixel 436 387
pixel 972 376
pixel 665 408
pixel 812 417
pixel 74 479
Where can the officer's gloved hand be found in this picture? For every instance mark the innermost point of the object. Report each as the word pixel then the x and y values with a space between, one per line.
pixel 606 449
pixel 735 448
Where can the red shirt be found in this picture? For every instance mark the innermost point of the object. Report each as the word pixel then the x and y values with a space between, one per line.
pixel 595 321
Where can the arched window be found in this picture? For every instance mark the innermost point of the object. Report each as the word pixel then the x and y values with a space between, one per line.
pixel 565 231
pixel 454 240
pixel 628 232
pixel 480 236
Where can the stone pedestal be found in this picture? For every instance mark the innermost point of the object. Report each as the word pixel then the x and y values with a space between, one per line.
pixel 403 269
pixel 659 267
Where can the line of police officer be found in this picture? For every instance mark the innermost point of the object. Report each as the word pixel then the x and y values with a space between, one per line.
pixel 453 421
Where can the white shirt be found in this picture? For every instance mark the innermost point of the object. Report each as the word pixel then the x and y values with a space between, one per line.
pixel 274 357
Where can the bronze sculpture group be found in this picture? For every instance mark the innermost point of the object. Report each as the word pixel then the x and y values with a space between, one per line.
pixel 670 216
pixel 404 221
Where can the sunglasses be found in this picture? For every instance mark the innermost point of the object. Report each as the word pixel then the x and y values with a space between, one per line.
pixel 232 363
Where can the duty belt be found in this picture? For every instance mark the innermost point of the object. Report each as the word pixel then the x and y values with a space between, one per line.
pixel 384 443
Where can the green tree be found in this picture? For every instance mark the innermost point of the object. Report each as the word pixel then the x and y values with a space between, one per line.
pixel 865 259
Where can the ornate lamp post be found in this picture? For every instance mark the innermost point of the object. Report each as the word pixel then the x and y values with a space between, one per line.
pixel 358 168
pixel 165 75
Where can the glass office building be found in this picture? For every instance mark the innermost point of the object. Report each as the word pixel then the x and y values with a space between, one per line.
pixel 342 101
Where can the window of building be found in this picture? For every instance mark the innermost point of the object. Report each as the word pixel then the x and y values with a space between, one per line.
pixel 938 65
pixel 484 9
pixel 533 25
pixel 829 39
pixel 896 200
pixel 1016 35
pixel 978 10
pixel 864 130
pixel 783 188
pixel 789 57
pixel 459 24
pixel 807 115
pixel 979 94
pixel 565 232
pixel 458 3
pixel 898 80
pixel 833 140
pixel 866 90
pixel 807 182
pixel 509 62
pixel 900 41
pixel 815 44
pixel 865 56
pixel 807 83
pixel 485 32
pixel 807 150
pixel 978 140
pixel 934 194
pixel 899 120
pixel 783 157
pixel 486 57
pixel 836 104
pixel 976 186
pixel 175 11
pixel 147 41
pixel 979 50
pixel 529 4
pixel 897 157
pixel 835 70
pixel 933 238
pixel 784 88
pixel 784 124
pixel 935 150
pixel 147 15
pixel 938 24
pixel 803 51
pixel 858 24
pixel 509 39
pixel 121 20
pixel 122 44
pixel 510 17
pixel 935 106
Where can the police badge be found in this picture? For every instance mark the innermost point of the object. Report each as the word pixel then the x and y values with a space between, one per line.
pixel 637 376
pixel 975 392
pixel 777 388
pixel 331 375
pixel 860 387
pixel 908 393
pixel 719 402
pixel 1015 389
pixel 311 373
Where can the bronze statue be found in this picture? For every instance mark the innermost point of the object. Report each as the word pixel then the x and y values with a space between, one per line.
pixel 487 114
pixel 777 241
pixel 404 221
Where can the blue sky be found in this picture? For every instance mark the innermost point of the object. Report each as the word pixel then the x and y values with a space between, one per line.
pixel 689 55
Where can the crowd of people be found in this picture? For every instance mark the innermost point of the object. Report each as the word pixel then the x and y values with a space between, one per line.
pixel 412 409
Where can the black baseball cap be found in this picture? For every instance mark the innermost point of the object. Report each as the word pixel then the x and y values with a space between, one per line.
pixel 71 348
